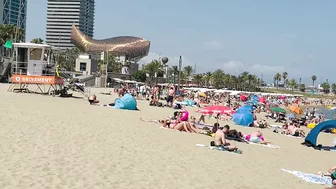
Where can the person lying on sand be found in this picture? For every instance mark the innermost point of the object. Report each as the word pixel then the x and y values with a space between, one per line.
pixel 256 137
pixel 294 131
pixel 331 173
pixel 262 124
pixel 93 100
pixel 220 140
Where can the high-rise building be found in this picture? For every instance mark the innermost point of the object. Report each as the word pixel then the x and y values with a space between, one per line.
pixel 13 12
pixel 61 14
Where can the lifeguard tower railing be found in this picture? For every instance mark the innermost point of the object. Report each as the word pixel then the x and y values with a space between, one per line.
pixel 34 65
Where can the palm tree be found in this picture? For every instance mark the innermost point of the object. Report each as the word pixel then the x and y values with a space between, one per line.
pixel 10 31
pixel 326 87
pixel 37 41
pixel 198 79
pixel 285 76
pixel 153 68
pixel 175 71
pixel 218 79
pixel 277 78
pixel 207 78
pixel 188 70
pixel 333 88
pixel 314 79
pixel 292 84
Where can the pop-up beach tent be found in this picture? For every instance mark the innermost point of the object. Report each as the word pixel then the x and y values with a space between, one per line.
pixel 311 138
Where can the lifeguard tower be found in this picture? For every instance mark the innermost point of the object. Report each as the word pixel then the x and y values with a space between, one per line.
pixel 34 70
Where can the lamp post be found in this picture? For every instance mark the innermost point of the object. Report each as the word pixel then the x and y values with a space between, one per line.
pixel 164 61
pixel 179 76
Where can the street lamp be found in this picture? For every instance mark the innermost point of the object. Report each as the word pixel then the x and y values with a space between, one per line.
pixel 164 61
pixel 180 66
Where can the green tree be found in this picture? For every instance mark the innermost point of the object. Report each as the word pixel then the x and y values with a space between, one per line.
pixel 333 88
pixel 302 87
pixel 37 41
pixel 188 70
pixel 11 31
pixel 198 78
pixel 314 79
pixel 292 84
pixel 326 87
pixel 207 77
pixel 217 79
pixel 139 76
pixel 175 72
pixel 153 68
pixel 285 76
pixel 277 79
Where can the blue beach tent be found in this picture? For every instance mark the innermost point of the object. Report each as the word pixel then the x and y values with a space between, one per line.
pixel 311 138
pixel 127 102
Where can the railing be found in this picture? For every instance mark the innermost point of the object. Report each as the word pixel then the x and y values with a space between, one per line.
pixel 33 68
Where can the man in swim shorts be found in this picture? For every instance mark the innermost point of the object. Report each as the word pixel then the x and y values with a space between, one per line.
pixel 170 98
pixel 220 140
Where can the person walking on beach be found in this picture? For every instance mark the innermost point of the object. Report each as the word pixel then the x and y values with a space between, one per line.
pixel 171 94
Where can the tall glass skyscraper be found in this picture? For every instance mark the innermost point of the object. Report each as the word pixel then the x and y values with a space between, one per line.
pixel 13 12
pixel 61 14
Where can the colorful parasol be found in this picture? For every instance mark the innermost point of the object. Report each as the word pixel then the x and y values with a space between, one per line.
pixel 216 110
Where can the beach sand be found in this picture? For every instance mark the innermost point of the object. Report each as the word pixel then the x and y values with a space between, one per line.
pixel 52 142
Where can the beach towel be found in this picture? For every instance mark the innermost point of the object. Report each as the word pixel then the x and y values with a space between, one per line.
pixel 312 178
pixel 276 126
pixel 268 145
pixel 294 136
pixel 217 148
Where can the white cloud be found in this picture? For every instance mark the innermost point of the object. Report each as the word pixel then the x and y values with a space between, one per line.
pixel 172 60
pixel 236 67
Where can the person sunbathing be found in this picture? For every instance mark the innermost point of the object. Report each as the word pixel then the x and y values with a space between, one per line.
pixel 238 136
pixel 294 131
pixel 93 100
pixel 220 140
pixel 331 173
pixel 256 137
pixel 260 124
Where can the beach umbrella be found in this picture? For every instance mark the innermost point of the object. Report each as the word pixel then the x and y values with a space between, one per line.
pixel 243 119
pixel 296 109
pixel 262 99
pixel 245 109
pixel 290 116
pixel 243 98
pixel 254 97
pixel 202 94
pixel 253 102
pixel 216 110
pixel 278 110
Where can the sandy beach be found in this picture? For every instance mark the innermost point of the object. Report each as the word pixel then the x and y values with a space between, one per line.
pixel 64 143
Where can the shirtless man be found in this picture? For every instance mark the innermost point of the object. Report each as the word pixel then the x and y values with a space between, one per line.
pixel 171 94
pixel 220 139
pixel 294 131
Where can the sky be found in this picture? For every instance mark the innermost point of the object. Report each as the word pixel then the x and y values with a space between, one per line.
pixel 262 37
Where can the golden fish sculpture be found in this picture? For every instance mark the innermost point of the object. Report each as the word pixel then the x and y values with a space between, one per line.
pixel 132 47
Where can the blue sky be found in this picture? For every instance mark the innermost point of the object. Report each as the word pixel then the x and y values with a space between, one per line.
pixel 260 36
